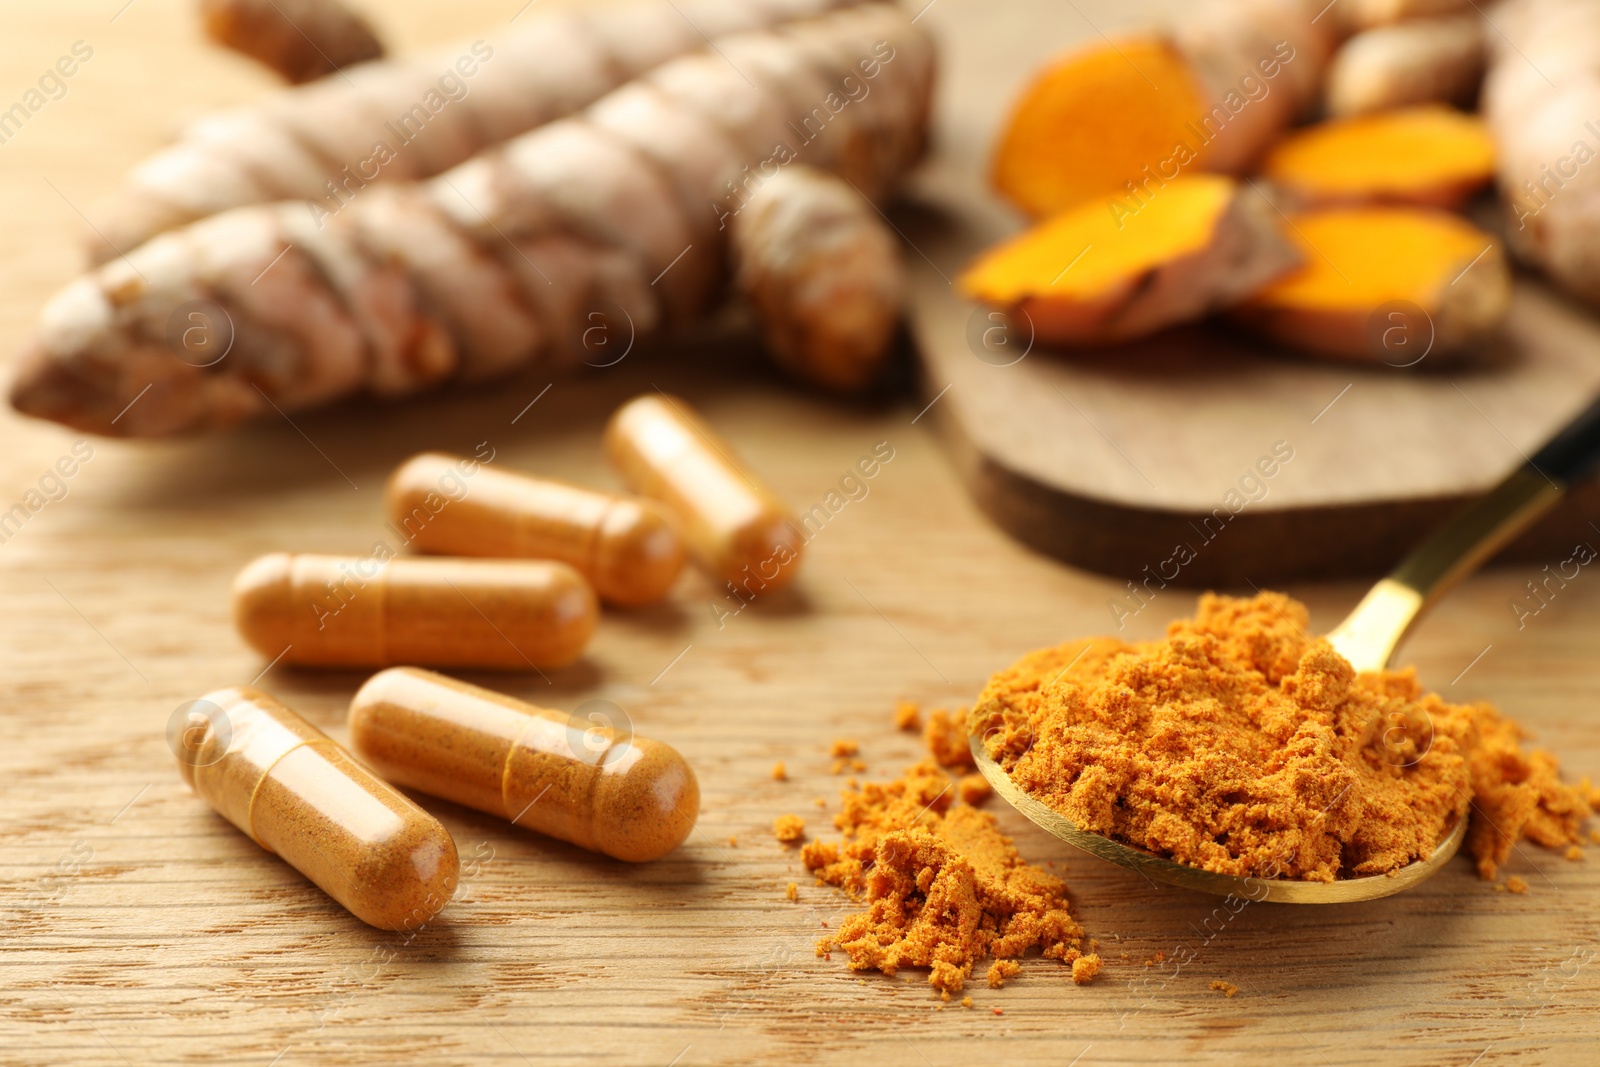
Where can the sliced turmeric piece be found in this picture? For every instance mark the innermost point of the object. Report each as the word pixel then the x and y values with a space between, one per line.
pixel 1363 265
pixel 1099 274
pixel 1430 156
pixel 1094 119
pixel 1210 95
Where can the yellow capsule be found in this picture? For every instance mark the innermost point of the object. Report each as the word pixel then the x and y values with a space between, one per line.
pixel 298 794
pixel 596 786
pixel 736 528
pixel 369 612
pixel 625 546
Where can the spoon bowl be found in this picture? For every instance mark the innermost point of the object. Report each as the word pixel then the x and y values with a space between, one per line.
pixel 1248 887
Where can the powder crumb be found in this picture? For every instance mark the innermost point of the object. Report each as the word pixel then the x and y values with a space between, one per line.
pixel 733 842
pixel 793 893
pixel 839 766
pixel 1001 970
pixel 998 1011
pixel 789 829
pixel 1573 853
pixel 843 746
pixel 966 1002
pixel 1227 989
pixel 907 716
pixel 946 738
pixel 780 773
pixel 942 887
pixel 1240 745
pixel 973 789
pixel 852 783
pixel 1515 884
pixel 822 802
pixel 858 765
pixel 1084 968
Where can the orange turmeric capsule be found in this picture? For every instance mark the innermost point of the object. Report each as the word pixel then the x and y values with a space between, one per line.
pixel 371 612
pixel 736 528
pixel 625 546
pixel 301 796
pixel 598 787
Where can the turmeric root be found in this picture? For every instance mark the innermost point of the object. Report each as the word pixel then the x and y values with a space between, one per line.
pixel 1541 98
pixel 1209 95
pixel 1089 276
pixel 1367 14
pixel 823 272
pixel 1429 156
pixel 506 259
pixel 1423 62
pixel 1385 284
pixel 415 117
pixel 300 39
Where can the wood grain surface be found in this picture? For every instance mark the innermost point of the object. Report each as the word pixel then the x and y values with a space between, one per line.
pixel 141 928
pixel 1109 458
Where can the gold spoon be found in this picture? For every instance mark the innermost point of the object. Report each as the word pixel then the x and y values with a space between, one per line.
pixel 1368 638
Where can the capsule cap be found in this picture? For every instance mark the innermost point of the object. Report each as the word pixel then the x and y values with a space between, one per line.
pixel 638 555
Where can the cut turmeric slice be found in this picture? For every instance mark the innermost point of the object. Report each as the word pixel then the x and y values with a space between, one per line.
pixel 1385 284
pixel 1094 119
pixel 1430 156
pixel 1209 95
pixel 1097 275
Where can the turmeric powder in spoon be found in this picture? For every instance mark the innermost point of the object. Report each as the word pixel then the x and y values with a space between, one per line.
pixel 1242 745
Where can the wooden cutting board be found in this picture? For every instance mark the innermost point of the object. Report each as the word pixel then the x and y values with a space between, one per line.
pixel 1119 459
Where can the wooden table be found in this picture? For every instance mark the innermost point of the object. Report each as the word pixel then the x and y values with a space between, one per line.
pixel 141 928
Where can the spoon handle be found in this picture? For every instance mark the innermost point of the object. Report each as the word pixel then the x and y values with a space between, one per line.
pixel 1370 634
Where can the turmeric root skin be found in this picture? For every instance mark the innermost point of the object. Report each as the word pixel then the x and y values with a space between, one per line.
pixel 1542 99
pixel 302 40
pixel 1430 61
pixel 499 262
pixel 825 276
pixel 1368 14
pixel 320 142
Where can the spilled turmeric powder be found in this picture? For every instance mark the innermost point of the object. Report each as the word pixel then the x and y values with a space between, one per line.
pixel 1241 745
pixel 943 887
pixel 946 737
